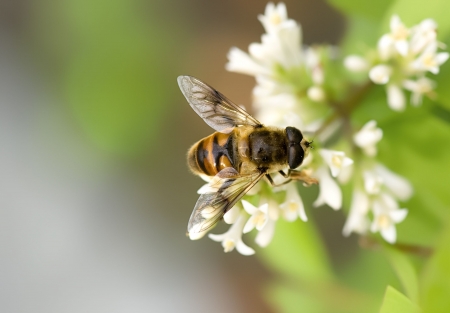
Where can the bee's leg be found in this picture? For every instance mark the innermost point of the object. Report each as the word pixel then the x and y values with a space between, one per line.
pixel 283 174
pixel 271 182
pixel 303 176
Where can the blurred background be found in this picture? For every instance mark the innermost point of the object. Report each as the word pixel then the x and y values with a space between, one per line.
pixel 95 194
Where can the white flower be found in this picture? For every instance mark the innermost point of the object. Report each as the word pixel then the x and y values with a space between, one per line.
pixel 368 137
pixel 386 47
pixel 336 160
pixel 418 88
pixel 356 63
pixel 281 45
pixel 395 97
pixel 429 60
pixel 380 74
pixel 275 17
pixel 316 93
pixel 329 191
pixel 399 186
pixel 241 62
pixel 293 205
pixel 386 215
pixel 265 235
pixel 233 238
pixel 399 34
pixel 258 218
pixel 372 182
pixel 357 220
pixel 422 35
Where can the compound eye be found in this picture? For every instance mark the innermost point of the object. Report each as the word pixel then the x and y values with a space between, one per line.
pixel 295 156
pixel 293 134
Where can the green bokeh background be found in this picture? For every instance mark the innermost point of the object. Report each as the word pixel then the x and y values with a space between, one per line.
pixel 96 193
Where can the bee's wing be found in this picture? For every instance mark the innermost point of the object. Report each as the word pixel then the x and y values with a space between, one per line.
pixel 213 107
pixel 226 188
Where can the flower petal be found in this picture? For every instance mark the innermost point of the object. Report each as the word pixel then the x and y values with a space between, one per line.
pixel 389 234
pixel 249 208
pixel 243 249
pixel 398 215
pixel 265 236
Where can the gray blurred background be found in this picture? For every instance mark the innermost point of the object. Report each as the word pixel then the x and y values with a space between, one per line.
pixel 95 194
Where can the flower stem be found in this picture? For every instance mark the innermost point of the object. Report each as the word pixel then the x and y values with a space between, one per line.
pixel 373 244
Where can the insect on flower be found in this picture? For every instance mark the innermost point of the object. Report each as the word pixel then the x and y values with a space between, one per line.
pixel 240 153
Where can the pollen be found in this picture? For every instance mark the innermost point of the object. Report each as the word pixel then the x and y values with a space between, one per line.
pixel 228 245
pixel 428 60
pixel 336 160
pixel 383 221
pixel 401 33
pixel 275 19
pixel 293 207
pixel 259 219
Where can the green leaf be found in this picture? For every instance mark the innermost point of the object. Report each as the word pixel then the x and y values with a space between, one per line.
pixel 416 147
pixel 284 298
pixel 412 12
pixel 405 271
pixel 395 302
pixel 436 277
pixel 113 75
pixel 297 252
pixel 368 9
pixel 361 35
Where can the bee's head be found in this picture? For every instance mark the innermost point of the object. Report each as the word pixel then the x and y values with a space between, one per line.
pixel 297 147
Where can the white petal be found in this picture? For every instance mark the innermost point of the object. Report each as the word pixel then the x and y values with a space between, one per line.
pixel 217 238
pixel 389 234
pixel 398 215
pixel 329 191
pixel 396 97
pixel 316 93
pixel 232 215
pixel 395 22
pixel 356 63
pixel 250 208
pixel 380 74
pixel 442 57
pixel 265 236
pixel 301 212
pixel 241 62
pixel 249 225
pixel 357 220
pixel 243 249
pixel 289 215
pixel 386 47
pixel 372 182
pixel 399 186
pixel 402 47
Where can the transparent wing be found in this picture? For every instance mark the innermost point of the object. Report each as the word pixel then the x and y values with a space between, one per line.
pixel 226 188
pixel 213 107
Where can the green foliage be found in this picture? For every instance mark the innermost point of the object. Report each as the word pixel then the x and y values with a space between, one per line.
pixel 436 277
pixel 405 271
pixel 395 302
pixel 367 9
pixel 294 256
pixel 114 74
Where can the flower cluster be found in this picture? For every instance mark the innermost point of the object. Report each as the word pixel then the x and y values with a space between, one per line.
pixel 294 81
pixel 376 190
pixel 404 57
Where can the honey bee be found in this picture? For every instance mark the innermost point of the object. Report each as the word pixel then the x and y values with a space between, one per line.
pixel 238 155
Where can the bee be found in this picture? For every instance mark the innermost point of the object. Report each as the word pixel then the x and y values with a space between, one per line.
pixel 237 156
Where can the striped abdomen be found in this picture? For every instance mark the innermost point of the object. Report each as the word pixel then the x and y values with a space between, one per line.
pixel 211 154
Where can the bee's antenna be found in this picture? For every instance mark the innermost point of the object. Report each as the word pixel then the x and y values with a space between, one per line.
pixel 309 144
